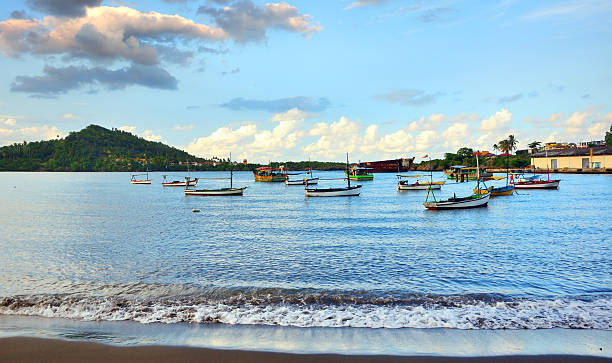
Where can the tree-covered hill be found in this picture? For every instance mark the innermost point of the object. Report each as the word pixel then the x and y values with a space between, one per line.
pixel 94 148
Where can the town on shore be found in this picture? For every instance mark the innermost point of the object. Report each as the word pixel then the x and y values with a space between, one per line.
pixel 96 148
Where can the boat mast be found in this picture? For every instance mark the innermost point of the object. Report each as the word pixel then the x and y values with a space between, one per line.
pixel 231 172
pixel 348 175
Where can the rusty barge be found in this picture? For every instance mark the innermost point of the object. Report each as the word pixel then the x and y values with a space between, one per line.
pixel 389 166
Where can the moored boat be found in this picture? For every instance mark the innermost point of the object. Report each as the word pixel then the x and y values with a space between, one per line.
pixel 351 191
pixel 348 191
pixel 407 185
pixel 473 201
pixel 505 190
pixel 360 173
pixel 146 180
pixel 268 174
pixel 178 183
pixel 303 181
pixel 216 192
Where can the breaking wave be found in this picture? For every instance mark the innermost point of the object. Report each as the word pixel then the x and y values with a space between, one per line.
pixel 322 309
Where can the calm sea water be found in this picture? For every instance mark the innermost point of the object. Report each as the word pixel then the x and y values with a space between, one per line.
pixel 91 246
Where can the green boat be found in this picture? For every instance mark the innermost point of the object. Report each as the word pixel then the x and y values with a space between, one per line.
pixel 360 173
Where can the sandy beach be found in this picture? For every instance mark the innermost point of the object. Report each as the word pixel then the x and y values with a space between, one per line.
pixel 25 349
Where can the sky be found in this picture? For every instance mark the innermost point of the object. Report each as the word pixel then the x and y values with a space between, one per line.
pixel 308 79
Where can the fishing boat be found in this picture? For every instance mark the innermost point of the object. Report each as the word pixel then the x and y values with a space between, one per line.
pixel 465 173
pixel 268 174
pixel 177 183
pixel 418 185
pixel 535 182
pixel 360 173
pixel 520 181
pixel 496 191
pixel 472 201
pixel 135 180
pixel 508 189
pixel 348 191
pixel 303 181
pixel 216 192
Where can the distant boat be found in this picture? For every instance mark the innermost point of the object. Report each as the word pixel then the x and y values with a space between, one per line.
pixel 407 185
pixel 360 173
pixel 217 192
pixel 134 180
pixel 268 174
pixel 303 181
pixel 177 183
pixel 348 191
pixel 389 166
pixel 466 173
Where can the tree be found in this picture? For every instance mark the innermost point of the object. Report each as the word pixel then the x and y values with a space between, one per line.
pixel 465 152
pixel 496 147
pixel 535 145
pixel 609 137
pixel 511 143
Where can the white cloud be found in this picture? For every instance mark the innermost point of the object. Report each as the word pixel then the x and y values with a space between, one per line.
pixel 150 136
pixel 577 119
pixel 69 115
pixel 9 121
pixel 496 121
pixel 33 133
pixel 129 129
pixel 183 127
pixel 456 135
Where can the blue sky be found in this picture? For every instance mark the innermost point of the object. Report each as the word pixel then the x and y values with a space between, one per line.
pixel 298 79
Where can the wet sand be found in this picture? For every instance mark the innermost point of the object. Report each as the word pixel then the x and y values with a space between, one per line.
pixel 25 349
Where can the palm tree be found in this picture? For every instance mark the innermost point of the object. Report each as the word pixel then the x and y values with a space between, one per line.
pixel 511 143
pixel 534 145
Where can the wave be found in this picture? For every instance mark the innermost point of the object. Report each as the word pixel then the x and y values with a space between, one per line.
pixel 324 309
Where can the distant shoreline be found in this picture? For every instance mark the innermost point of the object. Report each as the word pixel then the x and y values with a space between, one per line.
pixel 27 349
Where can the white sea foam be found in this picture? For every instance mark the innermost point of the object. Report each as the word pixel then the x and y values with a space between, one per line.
pixel 474 314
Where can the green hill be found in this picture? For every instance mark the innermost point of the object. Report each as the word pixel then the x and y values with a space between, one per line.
pixel 94 148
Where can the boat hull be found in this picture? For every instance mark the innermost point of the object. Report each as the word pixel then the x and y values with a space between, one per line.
pixel 302 181
pixel 181 184
pixel 495 192
pixel 423 186
pixel 334 192
pixel 148 181
pixel 544 184
pixel 474 201
pixel 216 192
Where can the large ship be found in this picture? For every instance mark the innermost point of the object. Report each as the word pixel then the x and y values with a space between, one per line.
pixel 389 166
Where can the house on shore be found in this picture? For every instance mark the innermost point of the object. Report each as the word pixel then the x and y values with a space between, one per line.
pixel 594 159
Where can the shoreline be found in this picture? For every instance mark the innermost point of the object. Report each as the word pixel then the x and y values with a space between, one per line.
pixel 28 349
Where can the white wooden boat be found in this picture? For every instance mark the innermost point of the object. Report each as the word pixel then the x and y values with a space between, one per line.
pixel 473 201
pixel 407 185
pixel 537 184
pixel 348 191
pixel 146 180
pixel 334 192
pixel 215 192
pixel 177 183
pixel 304 181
